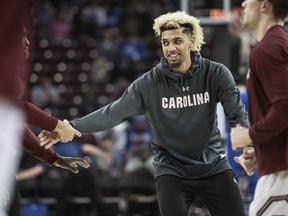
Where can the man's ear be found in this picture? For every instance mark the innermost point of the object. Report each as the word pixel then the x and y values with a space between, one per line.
pixel 191 42
pixel 266 6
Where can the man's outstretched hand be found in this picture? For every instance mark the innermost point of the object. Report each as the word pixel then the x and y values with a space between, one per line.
pixel 240 137
pixel 65 131
pixel 47 139
pixel 247 160
pixel 71 163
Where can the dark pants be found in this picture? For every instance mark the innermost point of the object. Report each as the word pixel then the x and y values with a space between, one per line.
pixel 15 203
pixel 219 193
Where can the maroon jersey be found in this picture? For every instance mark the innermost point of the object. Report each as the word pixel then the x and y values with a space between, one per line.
pixel 14 16
pixel 37 117
pixel 267 88
pixel 31 146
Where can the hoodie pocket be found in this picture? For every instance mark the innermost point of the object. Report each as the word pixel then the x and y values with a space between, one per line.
pixel 203 165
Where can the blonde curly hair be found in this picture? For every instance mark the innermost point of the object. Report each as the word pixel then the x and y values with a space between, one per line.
pixel 180 19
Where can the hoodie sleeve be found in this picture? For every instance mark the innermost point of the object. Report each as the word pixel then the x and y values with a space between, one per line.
pixel 229 96
pixel 128 105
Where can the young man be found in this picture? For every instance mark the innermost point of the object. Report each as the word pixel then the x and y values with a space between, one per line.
pixel 179 97
pixel 37 117
pixel 267 90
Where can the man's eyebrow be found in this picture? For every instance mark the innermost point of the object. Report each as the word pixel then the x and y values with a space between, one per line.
pixel 176 38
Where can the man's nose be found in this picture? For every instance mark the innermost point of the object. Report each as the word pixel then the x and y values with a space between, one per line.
pixel 171 47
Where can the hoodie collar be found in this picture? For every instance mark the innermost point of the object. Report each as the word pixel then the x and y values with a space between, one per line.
pixel 194 68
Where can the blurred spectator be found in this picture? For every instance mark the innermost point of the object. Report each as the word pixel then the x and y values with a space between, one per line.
pixel 114 13
pixel 242 43
pixel 95 13
pixel 61 27
pixel 82 28
pixel 114 141
pixel 89 20
pixel 45 95
pixel 45 13
pixel 131 48
pixel 100 71
pixel 139 153
pixel 106 144
pixel 108 45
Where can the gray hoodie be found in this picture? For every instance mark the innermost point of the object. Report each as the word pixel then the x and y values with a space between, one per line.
pixel 181 109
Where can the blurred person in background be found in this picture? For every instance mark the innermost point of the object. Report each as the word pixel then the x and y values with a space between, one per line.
pixel 39 118
pixel 267 90
pixel 11 116
pixel 179 97
pixel 139 155
pixel 45 95
pixel 14 110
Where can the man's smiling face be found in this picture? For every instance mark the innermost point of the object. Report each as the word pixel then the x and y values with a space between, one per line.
pixel 176 48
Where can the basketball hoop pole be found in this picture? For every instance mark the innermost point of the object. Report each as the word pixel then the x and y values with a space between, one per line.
pixel 184 5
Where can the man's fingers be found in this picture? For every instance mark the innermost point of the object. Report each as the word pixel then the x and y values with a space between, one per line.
pixel 71 163
pixel 46 137
pixel 46 134
pixel 236 148
pixel 83 163
pixel 249 152
pixel 65 131
pixel 77 133
pixel 79 161
pixel 44 142
pixel 42 134
pixel 237 160
pixel 49 144
pixel 248 166
pixel 250 173
pixel 74 162
pixel 238 126
pixel 73 169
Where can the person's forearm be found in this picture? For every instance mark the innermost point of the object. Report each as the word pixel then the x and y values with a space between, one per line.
pixel 30 173
pixel 31 145
pixel 275 122
pixel 111 115
pixel 38 117
pixel 102 119
pixel 92 149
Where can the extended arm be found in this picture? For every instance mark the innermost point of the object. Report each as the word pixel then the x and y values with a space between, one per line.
pixel 32 146
pixel 229 96
pixel 130 104
pixel 41 119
